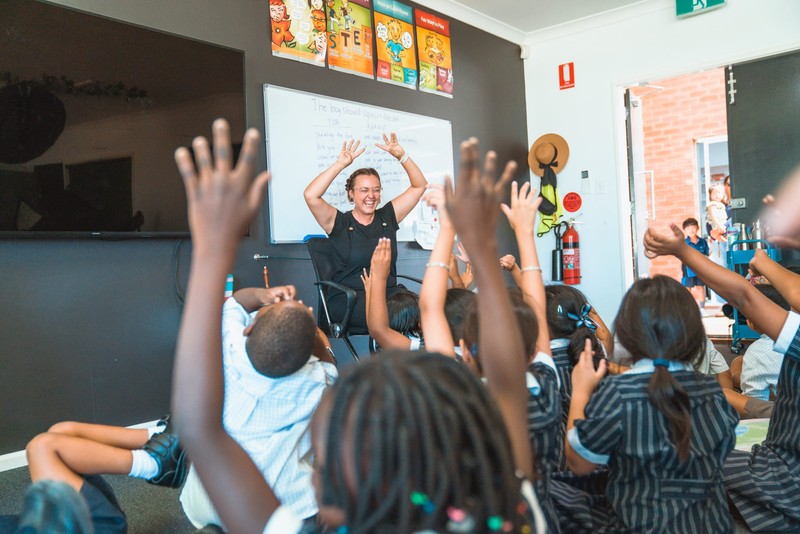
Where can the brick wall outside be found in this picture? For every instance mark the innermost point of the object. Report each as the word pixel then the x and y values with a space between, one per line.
pixel 690 107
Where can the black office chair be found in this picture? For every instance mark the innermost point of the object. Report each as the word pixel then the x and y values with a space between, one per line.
pixel 321 251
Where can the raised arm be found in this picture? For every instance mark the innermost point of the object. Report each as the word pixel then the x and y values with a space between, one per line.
pixel 474 208
pixel 433 293
pixel 781 214
pixel 522 217
pixel 221 202
pixel 324 213
pixel 785 281
pixel 509 263
pixel 584 381
pixel 765 314
pixel 377 313
pixel 405 201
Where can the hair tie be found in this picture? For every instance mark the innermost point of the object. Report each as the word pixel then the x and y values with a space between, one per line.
pixel 583 319
pixel 420 499
pixel 661 362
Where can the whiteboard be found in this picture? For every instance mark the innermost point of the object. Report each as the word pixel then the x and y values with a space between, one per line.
pixel 304 135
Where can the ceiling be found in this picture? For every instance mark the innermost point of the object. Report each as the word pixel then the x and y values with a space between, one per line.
pixel 513 19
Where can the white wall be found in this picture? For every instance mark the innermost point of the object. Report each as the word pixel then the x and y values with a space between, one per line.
pixel 642 42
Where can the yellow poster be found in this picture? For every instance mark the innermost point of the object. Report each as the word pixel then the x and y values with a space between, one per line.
pixel 435 60
pixel 396 53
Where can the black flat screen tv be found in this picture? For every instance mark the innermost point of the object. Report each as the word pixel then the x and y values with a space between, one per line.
pixel 91 112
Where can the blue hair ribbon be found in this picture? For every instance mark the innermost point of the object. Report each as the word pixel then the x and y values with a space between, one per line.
pixel 583 319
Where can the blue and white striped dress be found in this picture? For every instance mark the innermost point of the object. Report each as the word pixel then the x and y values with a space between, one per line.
pixel 764 484
pixel 649 488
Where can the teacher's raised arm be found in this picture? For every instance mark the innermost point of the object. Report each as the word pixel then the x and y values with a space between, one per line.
pixel 324 213
pixel 405 201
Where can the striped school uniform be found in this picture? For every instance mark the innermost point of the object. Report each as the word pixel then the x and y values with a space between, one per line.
pixel 649 488
pixel 544 430
pixel 559 348
pixel 764 484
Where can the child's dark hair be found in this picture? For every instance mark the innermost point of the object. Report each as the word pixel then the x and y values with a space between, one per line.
pixel 526 320
pixel 769 291
pixel 281 340
pixel 456 303
pixel 403 311
pixel 422 435
pixel 691 221
pixel 54 506
pixel 658 318
pixel 567 318
pixel 351 180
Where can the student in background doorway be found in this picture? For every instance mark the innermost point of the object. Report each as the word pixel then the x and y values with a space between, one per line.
pixel 690 279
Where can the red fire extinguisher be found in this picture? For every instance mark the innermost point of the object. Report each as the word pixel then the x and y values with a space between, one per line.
pixel 571 253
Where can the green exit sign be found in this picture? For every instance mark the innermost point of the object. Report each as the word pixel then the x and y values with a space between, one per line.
pixel 687 8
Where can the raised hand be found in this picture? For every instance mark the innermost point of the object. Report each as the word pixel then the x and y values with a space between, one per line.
pixel 781 214
pixel 508 262
pixel 668 244
pixel 462 253
pixel 524 204
pixel 474 206
pixel 434 197
pixel 221 200
pixel 584 376
pixel 381 260
pixel 350 152
pixel 391 146
pixel 365 280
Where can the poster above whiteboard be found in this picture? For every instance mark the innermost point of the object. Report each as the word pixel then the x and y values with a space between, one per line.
pixel 304 135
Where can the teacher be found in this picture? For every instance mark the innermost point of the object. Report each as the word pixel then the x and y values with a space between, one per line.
pixel 355 234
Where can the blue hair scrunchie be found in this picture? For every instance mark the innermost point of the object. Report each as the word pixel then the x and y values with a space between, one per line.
pixel 661 362
pixel 583 319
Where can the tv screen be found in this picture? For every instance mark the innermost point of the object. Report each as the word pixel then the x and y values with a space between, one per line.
pixel 91 112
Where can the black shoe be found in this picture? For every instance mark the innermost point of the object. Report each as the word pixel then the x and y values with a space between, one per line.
pixel 166 450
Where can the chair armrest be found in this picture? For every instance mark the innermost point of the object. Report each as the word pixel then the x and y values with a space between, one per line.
pixel 351 296
pixel 411 278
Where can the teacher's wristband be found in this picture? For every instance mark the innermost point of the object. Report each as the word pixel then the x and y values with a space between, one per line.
pixel 405 157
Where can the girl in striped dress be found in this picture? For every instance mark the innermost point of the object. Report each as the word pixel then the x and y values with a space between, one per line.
pixel 663 429
pixel 763 484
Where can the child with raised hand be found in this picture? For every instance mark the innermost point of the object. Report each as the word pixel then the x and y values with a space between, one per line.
pixel 663 429
pixel 402 443
pixel 393 323
pixel 764 484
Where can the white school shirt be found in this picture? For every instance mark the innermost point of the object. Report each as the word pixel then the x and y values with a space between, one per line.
pixel 760 368
pixel 270 417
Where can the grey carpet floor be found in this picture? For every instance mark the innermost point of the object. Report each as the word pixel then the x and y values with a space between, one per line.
pixel 150 509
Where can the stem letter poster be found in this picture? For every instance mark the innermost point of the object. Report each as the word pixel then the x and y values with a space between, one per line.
pixel 350 36
pixel 397 58
pixel 435 60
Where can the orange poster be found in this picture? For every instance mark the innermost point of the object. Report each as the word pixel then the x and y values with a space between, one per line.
pixel 350 36
pixel 435 60
pixel 299 30
pixel 396 53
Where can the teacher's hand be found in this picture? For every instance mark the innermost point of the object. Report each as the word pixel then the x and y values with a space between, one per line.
pixel 392 146
pixel 350 152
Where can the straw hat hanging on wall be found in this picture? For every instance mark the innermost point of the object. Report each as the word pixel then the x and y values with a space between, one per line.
pixel 548 155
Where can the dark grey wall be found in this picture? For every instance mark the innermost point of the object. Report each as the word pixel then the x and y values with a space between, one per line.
pixel 88 328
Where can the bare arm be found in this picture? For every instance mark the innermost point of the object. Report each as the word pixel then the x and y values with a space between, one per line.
pixel 433 293
pixel 220 203
pixel 584 381
pixel 253 298
pixel 377 313
pixel 522 217
pixel 324 213
pixel 766 315
pixel 405 201
pixel 785 281
pixel 473 208
pixel 509 263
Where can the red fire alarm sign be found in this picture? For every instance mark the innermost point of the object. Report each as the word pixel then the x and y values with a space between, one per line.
pixel 566 76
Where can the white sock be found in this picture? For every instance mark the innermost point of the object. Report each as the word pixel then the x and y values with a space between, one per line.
pixel 143 465
pixel 155 430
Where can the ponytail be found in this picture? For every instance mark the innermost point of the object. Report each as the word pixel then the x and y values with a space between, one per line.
pixel 672 401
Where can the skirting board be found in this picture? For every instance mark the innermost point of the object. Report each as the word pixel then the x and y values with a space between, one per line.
pixel 15 460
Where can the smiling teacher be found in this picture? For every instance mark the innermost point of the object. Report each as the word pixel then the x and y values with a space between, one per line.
pixel 355 234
